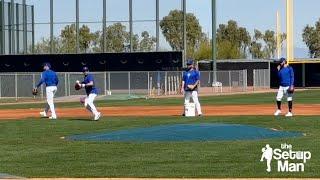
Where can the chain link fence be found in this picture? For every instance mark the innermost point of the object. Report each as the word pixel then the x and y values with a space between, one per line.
pixel 133 84
pixel 261 79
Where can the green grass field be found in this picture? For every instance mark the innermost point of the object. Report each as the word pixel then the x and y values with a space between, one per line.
pixel 33 147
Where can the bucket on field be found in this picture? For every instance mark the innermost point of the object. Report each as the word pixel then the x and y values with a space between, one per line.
pixel 190 110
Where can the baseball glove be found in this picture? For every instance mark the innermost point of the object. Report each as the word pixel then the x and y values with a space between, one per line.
pixel 291 90
pixel 77 86
pixel 34 91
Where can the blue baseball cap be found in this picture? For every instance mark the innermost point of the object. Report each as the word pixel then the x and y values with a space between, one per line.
pixel 85 69
pixel 190 62
pixel 282 60
pixel 46 64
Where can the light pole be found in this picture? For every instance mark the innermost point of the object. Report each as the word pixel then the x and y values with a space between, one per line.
pixel 214 41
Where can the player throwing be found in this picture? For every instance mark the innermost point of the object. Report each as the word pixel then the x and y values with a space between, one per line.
pixel 286 80
pixel 190 83
pixel 91 91
pixel 50 79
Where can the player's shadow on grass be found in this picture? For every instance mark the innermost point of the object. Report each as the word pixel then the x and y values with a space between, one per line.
pixel 80 119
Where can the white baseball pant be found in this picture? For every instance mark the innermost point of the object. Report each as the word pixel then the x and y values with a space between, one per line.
pixel 194 96
pixel 50 92
pixel 283 90
pixel 88 103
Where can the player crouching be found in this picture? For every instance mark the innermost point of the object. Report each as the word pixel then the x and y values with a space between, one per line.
pixel 286 79
pixel 91 91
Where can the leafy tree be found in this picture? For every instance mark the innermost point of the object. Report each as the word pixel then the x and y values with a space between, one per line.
pixel 204 51
pixel 264 45
pixel 172 29
pixel 147 43
pixel 256 50
pixel 86 38
pixel 117 39
pixel 43 47
pixel 227 50
pixel 311 36
pixel 236 38
pixel 245 40
pixel 256 46
pixel 68 38
pixel 135 42
pixel 271 44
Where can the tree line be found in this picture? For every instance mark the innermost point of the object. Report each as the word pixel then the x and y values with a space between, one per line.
pixel 117 40
pixel 233 41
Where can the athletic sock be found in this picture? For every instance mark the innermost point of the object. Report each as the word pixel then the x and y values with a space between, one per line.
pixel 290 106
pixel 279 105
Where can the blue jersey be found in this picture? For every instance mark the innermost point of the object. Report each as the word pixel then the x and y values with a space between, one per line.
pixel 49 78
pixel 190 78
pixel 90 89
pixel 286 76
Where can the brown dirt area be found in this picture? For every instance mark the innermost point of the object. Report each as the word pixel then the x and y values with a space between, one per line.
pixel 139 111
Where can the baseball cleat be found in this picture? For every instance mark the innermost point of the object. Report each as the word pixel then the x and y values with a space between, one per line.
pixel 289 114
pixel 277 113
pixel 43 114
pixel 97 116
pixel 200 115
pixel 52 117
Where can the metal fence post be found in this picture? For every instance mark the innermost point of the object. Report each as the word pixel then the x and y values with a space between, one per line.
pixel 158 83
pixel 230 85
pixel 264 79
pixel 69 89
pixel 109 82
pixel 16 85
pixel 65 84
pixel 244 80
pixel 34 82
pixel 0 87
pixel 254 79
pixel 42 94
pixel 129 83
pixel 165 83
pixel 148 76
pixel 105 83
pixel 267 79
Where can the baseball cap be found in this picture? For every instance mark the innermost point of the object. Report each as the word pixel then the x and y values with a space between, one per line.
pixel 46 64
pixel 85 69
pixel 282 60
pixel 190 62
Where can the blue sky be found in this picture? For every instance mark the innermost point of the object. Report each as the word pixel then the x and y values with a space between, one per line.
pixel 259 14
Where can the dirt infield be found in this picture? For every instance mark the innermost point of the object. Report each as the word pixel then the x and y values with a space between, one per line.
pixel 227 110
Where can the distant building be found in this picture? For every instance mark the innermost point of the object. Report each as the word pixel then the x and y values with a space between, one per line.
pixel 16 28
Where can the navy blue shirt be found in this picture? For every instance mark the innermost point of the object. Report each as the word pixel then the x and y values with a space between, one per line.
pixel 190 78
pixel 90 89
pixel 286 76
pixel 49 78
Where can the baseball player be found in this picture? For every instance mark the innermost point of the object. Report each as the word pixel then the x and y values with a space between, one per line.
pixel 286 79
pixel 91 91
pixel 190 83
pixel 50 79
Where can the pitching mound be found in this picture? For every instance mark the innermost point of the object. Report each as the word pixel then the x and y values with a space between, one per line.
pixel 188 132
